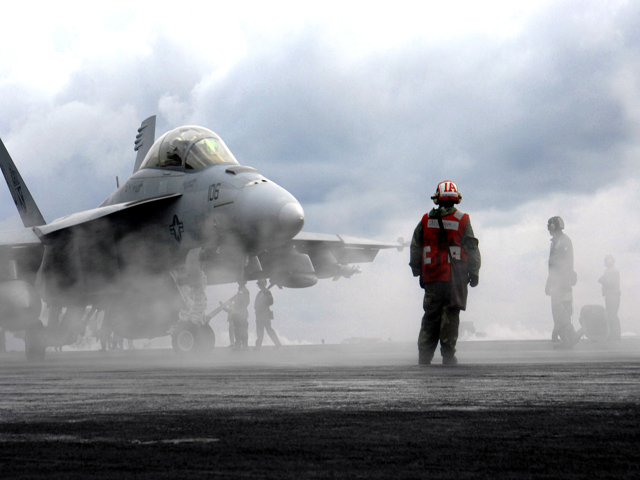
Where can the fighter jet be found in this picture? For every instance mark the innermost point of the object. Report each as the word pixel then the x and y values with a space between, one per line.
pixel 189 216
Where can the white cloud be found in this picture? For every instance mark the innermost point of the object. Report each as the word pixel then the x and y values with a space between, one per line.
pixel 532 107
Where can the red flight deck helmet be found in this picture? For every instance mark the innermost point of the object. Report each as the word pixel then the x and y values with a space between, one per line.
pixel 446 191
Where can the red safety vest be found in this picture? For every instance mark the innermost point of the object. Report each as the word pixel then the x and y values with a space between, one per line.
pixel 435 257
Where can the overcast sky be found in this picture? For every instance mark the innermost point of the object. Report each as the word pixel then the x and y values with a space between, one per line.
pixel 359 110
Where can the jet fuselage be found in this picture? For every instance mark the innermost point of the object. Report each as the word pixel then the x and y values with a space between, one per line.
pixel 222 206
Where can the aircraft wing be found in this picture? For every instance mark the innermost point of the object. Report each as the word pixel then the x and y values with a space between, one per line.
pixel 22 237
pixel 100 212
pixel 26 246
pixel 344 249
pixel 310 238
pixel 304 259
pixel 20 253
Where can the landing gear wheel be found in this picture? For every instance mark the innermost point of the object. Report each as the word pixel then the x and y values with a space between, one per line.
pixel 191 339
pixel 206 340
pixel 35 342
pixel 184 339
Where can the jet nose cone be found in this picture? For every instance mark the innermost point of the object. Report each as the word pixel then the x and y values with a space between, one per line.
pixel 267 216
pixel 291 219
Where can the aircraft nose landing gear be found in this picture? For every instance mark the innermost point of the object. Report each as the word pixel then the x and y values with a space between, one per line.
pixel 192 335
pixel 189 338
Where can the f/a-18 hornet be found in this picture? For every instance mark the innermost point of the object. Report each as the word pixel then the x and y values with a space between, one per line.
pixel 188 217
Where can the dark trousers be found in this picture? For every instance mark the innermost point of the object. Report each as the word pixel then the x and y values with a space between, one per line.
pixel 241 330
pixel 562 310
pixel 263 322
pixel 612 305
pixel 440 322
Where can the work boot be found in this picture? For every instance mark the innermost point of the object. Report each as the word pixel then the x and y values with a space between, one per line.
pixel 424 358
pixel 569 342
pixel 450 360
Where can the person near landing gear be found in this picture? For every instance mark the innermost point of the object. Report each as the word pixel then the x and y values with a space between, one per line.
pixel 560 284
pixel 445 255
pixel 232 334
pixel 240 316
pixel 264 315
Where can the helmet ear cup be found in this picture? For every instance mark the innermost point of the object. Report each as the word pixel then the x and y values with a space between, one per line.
pixel 555 223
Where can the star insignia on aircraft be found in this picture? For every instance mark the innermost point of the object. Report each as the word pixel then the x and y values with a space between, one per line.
pixel 176 228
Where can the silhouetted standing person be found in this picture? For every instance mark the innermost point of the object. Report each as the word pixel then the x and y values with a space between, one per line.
pixel 264 315
pixel 611 292
pixel 560 284
pixel 240 316
pixel 445 255
pixel 232 335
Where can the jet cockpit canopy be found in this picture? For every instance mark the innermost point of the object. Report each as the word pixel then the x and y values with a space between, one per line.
pixel 188 147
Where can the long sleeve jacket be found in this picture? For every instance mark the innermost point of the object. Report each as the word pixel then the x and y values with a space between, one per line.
pixel 561 273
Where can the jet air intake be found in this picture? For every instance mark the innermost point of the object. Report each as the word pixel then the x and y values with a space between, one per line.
pixel 293 270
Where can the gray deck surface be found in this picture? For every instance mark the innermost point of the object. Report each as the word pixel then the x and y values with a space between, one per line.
pixel 516 409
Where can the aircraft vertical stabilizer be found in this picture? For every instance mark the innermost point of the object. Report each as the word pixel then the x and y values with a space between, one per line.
pixel 29 212
pixel 144 139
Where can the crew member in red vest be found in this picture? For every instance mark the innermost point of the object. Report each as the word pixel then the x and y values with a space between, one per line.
pixel 443 233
